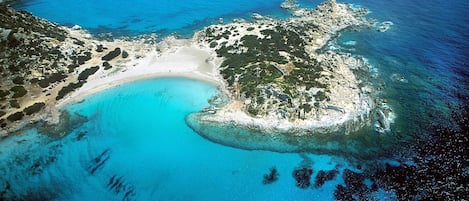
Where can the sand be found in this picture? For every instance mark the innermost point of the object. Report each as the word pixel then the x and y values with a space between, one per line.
pixel 183 60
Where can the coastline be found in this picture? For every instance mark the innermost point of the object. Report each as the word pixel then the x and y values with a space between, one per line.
pixel 348 109
pixel 177 61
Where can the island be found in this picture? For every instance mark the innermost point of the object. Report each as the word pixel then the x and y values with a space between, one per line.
pixel 279 84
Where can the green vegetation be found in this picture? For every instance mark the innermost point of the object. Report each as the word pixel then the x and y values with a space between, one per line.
pixel 111 55
pixel 261 63
pixel 14 103
pixel 15 117
pixel 125 54
pixel 36 107
pixel 56 77
pixel 18 80
pixel 106 65
pixel 3 94
pixel 18 91
pixel 69 88
pixel 87 73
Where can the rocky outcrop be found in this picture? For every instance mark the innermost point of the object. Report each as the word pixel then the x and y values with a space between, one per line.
pixel 40 62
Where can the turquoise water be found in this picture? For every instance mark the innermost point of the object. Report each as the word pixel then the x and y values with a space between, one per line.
pixel 160 158
pixel 137 133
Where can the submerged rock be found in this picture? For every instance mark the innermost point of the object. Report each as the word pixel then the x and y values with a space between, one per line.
pixel 303 177
pixel 324 176
pixel 271 177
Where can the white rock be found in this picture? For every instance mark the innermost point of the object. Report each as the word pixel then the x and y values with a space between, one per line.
pixel 76 27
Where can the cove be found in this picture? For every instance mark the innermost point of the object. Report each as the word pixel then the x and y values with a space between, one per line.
pixel 136 146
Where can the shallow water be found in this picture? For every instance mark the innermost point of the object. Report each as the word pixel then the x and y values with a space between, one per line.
pixel 159 157
pixel 137 133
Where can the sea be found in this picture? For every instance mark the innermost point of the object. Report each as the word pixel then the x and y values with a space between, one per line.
pixel 135 144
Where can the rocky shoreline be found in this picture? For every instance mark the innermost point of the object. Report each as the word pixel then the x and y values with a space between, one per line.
pixel 278 80
pixel 271 72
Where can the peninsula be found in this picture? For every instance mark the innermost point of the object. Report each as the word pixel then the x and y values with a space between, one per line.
pixel 274 75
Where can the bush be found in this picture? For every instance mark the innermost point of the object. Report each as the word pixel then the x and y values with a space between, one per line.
pixel 15 117
pixel 36 107
pixel 18 91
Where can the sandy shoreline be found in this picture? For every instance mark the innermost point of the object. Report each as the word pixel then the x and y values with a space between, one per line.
pixel 186 60
pixel 195 58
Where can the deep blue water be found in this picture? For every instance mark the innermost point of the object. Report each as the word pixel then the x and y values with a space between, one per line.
pixel 157 155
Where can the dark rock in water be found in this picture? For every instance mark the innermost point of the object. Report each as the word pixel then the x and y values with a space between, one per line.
pixel 342 193
pixel 354 180
pixel 118 185
pixel 80 136
pixel 125 54
pixel 99 161
pixel 15 117
pixel 440 167
pixel 1 115
pixel 303 177
pixel 324 176
pixel 111 55
pixel 271 177
pixel 87 73
pixel 354 189
pixel 106 65
pixel 36 107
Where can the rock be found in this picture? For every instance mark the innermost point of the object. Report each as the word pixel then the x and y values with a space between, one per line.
pixel 111 55
pixel 76 27
pixel 4 33
pixel 354 180
pixel 384 26
pixel 257 16
pixel 271 177
pixel 324 176
pixel 303 177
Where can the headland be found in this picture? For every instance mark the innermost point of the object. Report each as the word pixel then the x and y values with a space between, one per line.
pixel 274 75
